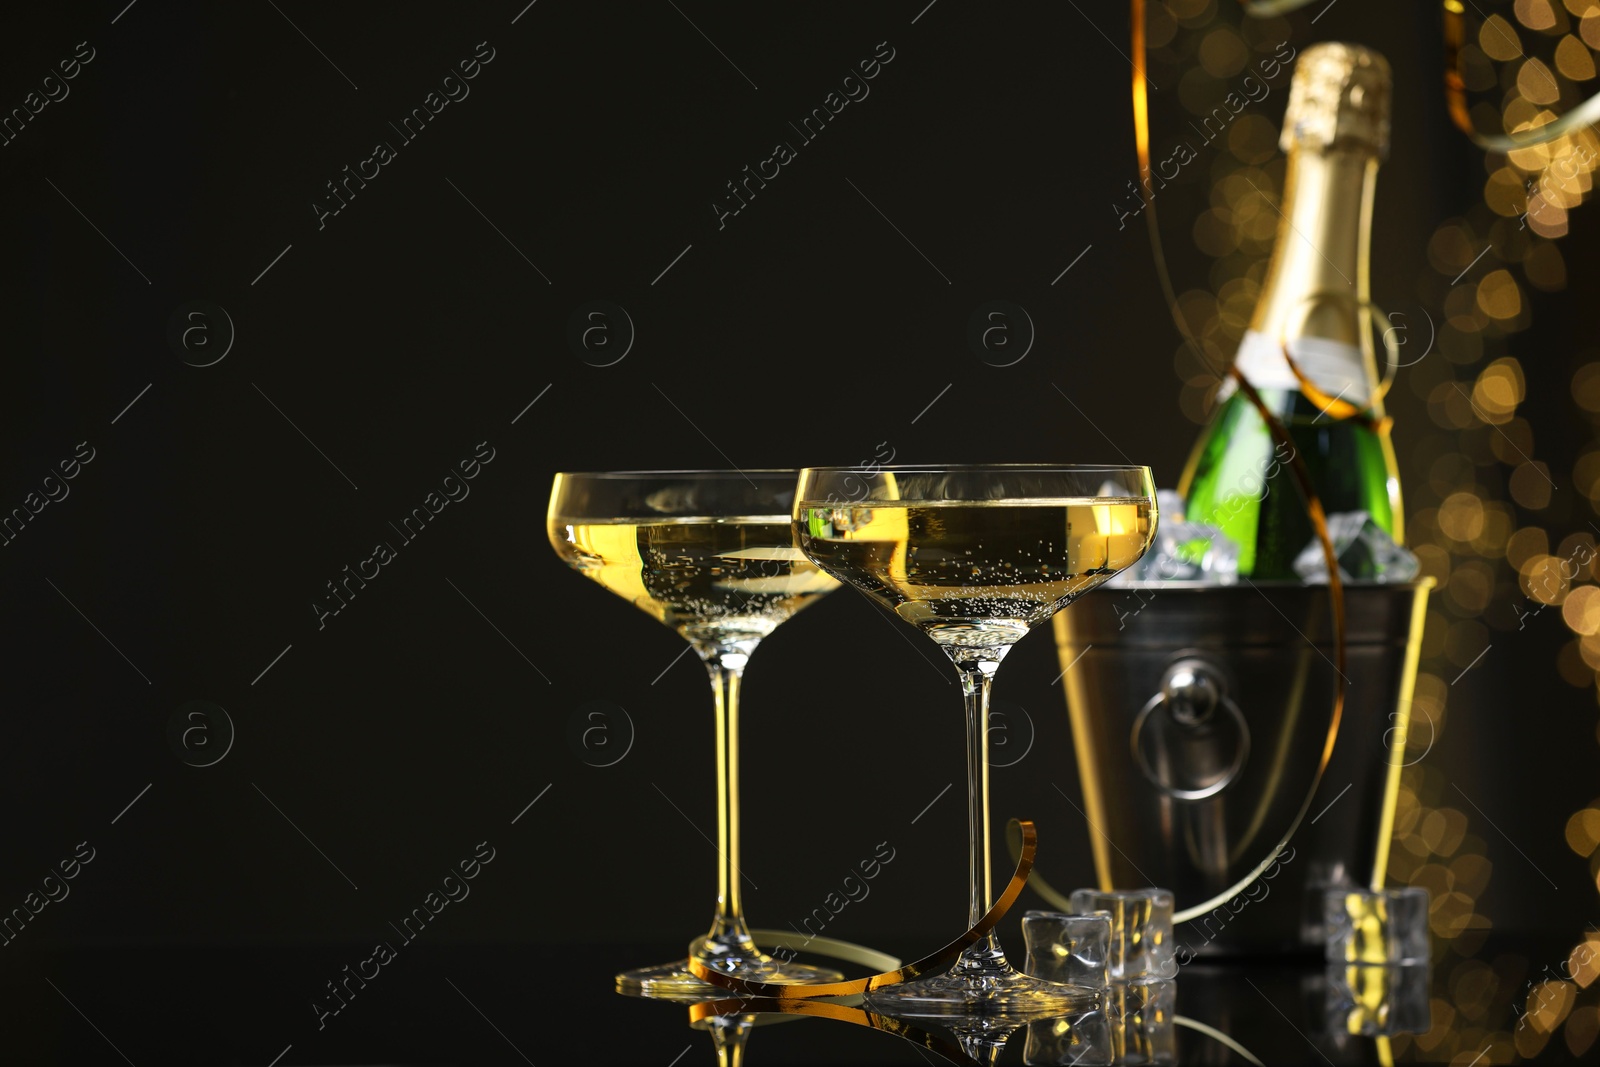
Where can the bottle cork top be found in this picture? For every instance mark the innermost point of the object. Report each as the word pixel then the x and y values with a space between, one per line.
pixel 1339 97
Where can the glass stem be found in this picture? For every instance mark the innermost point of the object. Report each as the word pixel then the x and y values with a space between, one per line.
pixel 728 932
pixel 976 677
pixel 729 1034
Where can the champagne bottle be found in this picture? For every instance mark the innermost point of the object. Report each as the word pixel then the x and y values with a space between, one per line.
pixel 1314 299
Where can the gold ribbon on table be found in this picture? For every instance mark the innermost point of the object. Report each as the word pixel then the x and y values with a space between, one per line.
pixel 789 991
pixel 831 948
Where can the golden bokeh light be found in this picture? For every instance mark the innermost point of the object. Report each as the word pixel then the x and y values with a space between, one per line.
pixel 1531 486
pixel 1535 14
pixel 1586 394
pixel 1499 388
pixel 1526 543
pixel 1499 40
pixel 1583 832
pixel 1581 610
pixel 1573 59
pixel 1499 296
pixel 1536 83
pixel 1461 516
pixel 1583 1026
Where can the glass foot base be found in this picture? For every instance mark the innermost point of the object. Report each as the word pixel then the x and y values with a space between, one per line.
pixel 986 988
pixel 673 981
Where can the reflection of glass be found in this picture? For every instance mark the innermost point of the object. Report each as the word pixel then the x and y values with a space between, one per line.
pixel 975 557
pixel 710 554
pixel 1134 1024
pixel 728 1035
pixel 971 1040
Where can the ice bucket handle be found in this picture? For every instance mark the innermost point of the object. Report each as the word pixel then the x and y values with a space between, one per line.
pixel 1180 742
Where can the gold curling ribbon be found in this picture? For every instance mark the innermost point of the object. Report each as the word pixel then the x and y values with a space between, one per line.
pixel 1319 524
pixel 789 991
pixel 1334 406
pixel 830 947
pixel 1141 123
pixel 1036 881
pixel 1336 600
pixel 1455 92
pixel 1338 407
pixel 1455 83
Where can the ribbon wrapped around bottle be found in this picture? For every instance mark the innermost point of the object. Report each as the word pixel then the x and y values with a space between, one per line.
pixel 1296 465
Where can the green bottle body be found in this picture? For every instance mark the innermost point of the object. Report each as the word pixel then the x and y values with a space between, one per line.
pixel 1239 479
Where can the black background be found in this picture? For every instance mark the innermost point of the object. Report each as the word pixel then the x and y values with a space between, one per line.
pixel 409 327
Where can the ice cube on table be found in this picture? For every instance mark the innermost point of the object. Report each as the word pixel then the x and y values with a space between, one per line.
pixel 1141 930
pixel 1067 948
pixel 1184 552
pixel 1364 550
pixel 1389 926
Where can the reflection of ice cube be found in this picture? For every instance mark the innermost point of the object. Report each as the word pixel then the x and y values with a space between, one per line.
pixel 1141 929
pixel 1145 1015
pixel 1378 1001
pixel 1084 1040
pixel 1067 948
pixel 1184 552
pixel 1365 553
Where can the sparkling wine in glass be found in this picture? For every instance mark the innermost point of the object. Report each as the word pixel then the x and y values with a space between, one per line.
pixel 712 555
pixel 975 557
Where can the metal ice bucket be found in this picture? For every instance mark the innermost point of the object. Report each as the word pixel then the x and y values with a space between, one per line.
pixel 1200 714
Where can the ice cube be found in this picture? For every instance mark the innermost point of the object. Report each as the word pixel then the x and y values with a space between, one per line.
pixel 1141 930
pixel 1067 948
pixel 1365 552
pixel 1184 552
pixel 1385 927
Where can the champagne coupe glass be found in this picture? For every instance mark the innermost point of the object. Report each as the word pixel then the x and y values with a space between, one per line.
pixel 710 554
pixel 975 557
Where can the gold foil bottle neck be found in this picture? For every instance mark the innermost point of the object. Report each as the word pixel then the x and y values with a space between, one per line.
pixel 1338 98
